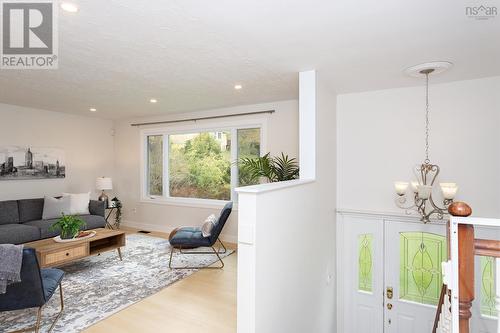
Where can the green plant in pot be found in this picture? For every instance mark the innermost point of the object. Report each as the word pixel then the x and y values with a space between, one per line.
pixel 118 215
pixel 69 226
pixel 272 168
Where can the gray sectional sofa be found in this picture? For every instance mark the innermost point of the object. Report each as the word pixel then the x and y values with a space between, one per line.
pixel 21 220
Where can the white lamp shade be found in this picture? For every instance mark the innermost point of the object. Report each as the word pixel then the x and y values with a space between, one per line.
pixel 449 190
pixel 414 186
pixel 103 183
pixel 401 187
pixel 424 191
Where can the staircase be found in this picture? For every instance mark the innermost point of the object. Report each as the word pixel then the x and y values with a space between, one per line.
pixel 468 247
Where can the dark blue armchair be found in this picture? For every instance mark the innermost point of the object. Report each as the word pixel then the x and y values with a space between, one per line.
pixel 191 237
pixel 35 289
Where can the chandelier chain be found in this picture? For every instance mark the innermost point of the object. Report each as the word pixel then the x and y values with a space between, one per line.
pixel 427 160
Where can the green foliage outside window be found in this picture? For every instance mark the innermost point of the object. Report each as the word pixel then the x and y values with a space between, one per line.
pixel 155 164
pixel 199 165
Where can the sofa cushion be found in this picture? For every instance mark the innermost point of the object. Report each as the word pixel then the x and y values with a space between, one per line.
pixel 18 233
pixel 97 208
pixel 55 207
pixel 30 209
pixel 92 222
pixel 44 227
pixel 78 203
pixel 9 212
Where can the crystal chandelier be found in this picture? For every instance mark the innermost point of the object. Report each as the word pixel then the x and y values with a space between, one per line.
pixel 419 197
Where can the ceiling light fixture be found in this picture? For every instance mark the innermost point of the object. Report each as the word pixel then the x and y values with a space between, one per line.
pixel 238 86
pixel 92 109
pixel 425 173
pixel 69 7
pixel 153 100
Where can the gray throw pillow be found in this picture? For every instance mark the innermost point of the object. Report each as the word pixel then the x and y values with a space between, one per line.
pixel 54 208
pixel 208 225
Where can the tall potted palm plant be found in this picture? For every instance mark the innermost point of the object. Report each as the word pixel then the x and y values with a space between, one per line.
pixel 271 168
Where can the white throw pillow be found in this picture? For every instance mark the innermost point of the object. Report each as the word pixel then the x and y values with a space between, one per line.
pixel 208 225
pixel 79 203
pixel 54 208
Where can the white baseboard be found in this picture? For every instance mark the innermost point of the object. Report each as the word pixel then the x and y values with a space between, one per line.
pixel 167 229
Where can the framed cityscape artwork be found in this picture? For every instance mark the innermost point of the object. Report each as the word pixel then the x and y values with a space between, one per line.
pixel 21 163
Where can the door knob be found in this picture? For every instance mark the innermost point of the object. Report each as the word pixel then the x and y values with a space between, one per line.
pixel 389 306
pixel 389 292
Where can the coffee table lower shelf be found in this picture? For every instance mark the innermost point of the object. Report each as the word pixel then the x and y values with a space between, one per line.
pixel 51 253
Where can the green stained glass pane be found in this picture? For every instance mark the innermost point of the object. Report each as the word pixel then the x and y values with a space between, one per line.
pixel 420 276
pixel 488 286
pixel 365 262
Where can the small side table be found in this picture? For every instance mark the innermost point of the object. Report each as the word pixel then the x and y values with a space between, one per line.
pixel 111 210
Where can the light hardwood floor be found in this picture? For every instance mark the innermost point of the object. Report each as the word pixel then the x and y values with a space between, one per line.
pixel 203 302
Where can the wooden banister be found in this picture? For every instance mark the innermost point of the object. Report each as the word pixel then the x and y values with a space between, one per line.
pixel 466 252
pixel 468 247
pixel 487 248
pixel 466 274
pixel 444 290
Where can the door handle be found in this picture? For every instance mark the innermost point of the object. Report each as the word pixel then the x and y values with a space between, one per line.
pixel 389 306
pixel 389 292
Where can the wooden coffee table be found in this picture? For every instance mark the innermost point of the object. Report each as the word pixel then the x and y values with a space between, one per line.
pixel 50 253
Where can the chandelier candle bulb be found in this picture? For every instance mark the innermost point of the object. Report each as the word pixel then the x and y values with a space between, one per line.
pixel 449 190
pixel 401 187
pixel 424 191
pixel 414 186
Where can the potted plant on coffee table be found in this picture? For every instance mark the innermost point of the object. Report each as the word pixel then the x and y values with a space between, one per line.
pixel 69 226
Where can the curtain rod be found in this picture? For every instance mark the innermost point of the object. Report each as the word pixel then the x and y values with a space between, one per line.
pixel 202 118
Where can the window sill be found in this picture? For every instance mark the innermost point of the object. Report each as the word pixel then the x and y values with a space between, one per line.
pixel 188 202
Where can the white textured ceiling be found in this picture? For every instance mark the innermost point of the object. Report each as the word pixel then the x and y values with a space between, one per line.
pixel 116 55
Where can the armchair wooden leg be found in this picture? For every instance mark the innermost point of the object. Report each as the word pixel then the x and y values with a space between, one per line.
pixel 194 252
pixel 205 252
pixel 60 312
pixel 225 250
pixel 171 253
pixel 38 320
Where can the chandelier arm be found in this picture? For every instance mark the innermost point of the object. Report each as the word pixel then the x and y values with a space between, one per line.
pixel 436 207
pixel 436 169
pixel 400 202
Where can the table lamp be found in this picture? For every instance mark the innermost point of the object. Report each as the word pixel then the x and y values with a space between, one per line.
pixel 102 184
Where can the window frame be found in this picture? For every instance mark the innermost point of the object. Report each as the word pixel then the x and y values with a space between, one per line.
pixel 166 131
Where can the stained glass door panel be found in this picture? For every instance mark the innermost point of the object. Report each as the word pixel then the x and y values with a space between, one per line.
pixel 365 262
pixel 421 255
pixel 414 252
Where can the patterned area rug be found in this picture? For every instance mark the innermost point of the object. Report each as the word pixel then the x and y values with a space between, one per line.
pixel 99 286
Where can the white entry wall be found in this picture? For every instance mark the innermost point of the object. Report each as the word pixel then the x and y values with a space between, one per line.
pixel 381 138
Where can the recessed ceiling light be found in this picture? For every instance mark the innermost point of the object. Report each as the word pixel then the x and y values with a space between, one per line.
pixel 69 7
pixel 92 109
pixel 238 86
pixel 153 100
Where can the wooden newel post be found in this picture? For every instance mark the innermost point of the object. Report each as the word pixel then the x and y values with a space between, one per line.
pixel 465 263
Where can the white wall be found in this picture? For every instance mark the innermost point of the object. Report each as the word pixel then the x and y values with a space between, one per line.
pixel 381 137
pixel 87 142
pixel 281 136
pixel 286 241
